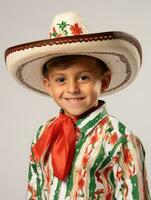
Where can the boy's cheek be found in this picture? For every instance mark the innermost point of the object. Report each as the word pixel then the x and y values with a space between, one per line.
pixel 55 93
pixel 49 90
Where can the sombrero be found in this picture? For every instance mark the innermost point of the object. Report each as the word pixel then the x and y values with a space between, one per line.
pixel 68 36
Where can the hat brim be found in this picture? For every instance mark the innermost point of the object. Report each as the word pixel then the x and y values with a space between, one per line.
pixel 120 51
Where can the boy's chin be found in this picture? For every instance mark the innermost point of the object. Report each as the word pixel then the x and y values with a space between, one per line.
pixel 73 114
pixel 80 113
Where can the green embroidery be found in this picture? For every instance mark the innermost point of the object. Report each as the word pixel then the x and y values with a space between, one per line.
pixel 112 179
pixel 121 128
pixel 39 189
pixel 93 122
pixel 34 167
pixel 70 177
pixel 103 113
pixel 135 192
pixel 54 34
pixel 62 30
pixel 110 129
pixel 57 190
pixel 43 180
pixel 39 180
pixel 29 173
pixel 81 120
pixel 63 25
pixel 38 132
pixel 122 140
pixel 113 183
pixel 40 183
pixel 92 184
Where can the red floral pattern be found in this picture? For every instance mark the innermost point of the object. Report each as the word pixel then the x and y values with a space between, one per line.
pixel 32 191
pixel 75 29
pixel 81 183
pixel 94 139
pixel 85 160
pixel 113 138
pixel 64 29
pixel 128 158
pixel 119 174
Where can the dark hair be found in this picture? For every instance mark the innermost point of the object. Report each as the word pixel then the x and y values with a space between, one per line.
pixel 65 61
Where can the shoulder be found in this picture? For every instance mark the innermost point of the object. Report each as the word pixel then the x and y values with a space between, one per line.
pixel 41 129
pixel 117 136
pixel 123 130
pixel 118 126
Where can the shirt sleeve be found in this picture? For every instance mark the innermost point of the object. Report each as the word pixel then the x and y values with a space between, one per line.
pixel 35 175
pixel 130 171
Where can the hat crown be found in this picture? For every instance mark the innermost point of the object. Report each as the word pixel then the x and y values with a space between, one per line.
pixel 67 24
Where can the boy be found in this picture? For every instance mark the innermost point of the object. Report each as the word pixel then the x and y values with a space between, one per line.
pixel 83 153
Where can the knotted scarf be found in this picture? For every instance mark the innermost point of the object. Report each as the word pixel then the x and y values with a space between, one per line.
pixel 59 138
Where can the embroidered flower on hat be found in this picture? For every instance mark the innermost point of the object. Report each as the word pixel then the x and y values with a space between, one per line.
pixel 67 24
pixel 65 29
pixel 76 30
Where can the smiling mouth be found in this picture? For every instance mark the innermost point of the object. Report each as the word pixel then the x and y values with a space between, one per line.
pixel 74 99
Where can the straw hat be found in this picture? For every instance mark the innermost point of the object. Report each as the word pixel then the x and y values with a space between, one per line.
pixel 68 36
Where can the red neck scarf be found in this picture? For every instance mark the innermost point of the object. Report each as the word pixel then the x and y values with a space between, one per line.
pixel 59 138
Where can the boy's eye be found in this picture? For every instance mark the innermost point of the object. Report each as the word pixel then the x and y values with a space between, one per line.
pixel 60 80
pixel 84 77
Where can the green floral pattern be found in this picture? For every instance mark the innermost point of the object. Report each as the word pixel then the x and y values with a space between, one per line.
pixel 64 29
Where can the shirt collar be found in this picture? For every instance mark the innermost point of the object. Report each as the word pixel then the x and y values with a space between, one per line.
pixel 89 121
pixel 90 118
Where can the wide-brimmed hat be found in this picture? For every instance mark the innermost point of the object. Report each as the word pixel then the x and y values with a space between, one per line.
pixel 120 51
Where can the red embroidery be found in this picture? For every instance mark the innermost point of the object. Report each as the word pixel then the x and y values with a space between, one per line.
pixel 94 138
pixel 104 121
pixel 32 191
pixel 85 160
pixel 76 30
pixel 113 138
pixel 108 196
pixel 127 156
pixel 98 177
pixel 81 183
pixel 119 175
pixel 116 159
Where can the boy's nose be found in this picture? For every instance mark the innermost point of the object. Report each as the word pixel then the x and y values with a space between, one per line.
pixel 73 87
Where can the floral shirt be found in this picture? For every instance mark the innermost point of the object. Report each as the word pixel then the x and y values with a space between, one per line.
pixel 108 164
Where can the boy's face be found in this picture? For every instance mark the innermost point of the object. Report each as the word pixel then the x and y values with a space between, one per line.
pixel 77 87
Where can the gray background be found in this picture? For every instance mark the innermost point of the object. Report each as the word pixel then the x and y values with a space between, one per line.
pixel 22 111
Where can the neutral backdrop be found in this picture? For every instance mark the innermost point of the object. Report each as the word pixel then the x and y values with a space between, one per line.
pixel 22 111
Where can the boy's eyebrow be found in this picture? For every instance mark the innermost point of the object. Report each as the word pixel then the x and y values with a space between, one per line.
pixel 56 74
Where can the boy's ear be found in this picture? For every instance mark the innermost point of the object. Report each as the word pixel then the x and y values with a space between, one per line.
pixel 47 86
pixel 105 80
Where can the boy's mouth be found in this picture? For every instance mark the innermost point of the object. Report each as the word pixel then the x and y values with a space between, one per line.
pixel 74 99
